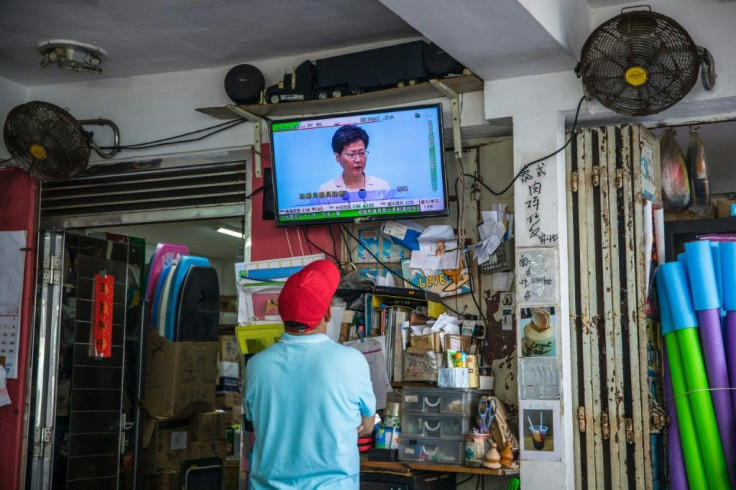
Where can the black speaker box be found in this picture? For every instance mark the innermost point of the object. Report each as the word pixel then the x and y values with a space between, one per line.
pixel 243 84
pixel 269 198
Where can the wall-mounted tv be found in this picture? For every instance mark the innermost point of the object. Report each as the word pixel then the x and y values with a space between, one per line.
pixel 360 166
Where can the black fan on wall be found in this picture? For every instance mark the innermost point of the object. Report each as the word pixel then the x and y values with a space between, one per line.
pixel 50 144
pixel 641 62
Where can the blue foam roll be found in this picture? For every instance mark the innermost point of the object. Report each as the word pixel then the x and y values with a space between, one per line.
pixel 678 294
pixel 728 274
pixel 682 258
pixel 665 316
pixel 702 274
pixel 715 251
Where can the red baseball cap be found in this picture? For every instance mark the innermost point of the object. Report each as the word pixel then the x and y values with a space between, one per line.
pixel 307 295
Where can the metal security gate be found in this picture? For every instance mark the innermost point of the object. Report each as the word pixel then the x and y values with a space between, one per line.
pixel 84 405
pixel 610 169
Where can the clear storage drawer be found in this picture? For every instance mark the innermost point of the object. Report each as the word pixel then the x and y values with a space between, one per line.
pixel 431 450
pixel 426 424
pixel 440 400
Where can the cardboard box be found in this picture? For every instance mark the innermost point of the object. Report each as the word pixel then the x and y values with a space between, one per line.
pixel 163 481
pixel 180 377
pixel 422 367
pixel 165 444
pixel 425 343
pixel 228 399
pixel 457 342
pixel 229 350
pixel 208 449
pixel 232 474
pixel 210 426
pixel 726 208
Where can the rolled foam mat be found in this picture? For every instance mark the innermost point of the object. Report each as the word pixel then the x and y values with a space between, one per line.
pixel 728 274
pixel 701 404
pixel 693 369
pixel 681 427
pixel 706 302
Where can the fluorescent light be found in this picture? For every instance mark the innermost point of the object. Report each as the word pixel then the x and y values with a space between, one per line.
pixel 228 231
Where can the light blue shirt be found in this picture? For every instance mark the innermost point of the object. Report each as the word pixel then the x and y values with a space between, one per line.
pixel 305 396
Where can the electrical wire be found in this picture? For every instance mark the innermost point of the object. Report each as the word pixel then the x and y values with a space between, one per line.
pixel 333 257
pixel 299 237
pixel 257 189
pixel 460 483
pixel 6 160
pixel 288 242
pixel 217 128
pixel 523 169
pixel 334 241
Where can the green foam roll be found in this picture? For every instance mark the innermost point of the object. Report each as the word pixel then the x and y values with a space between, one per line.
pixel 701 405
pixel 690 449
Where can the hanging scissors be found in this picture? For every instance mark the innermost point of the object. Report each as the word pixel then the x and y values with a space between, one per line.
pixel 486 413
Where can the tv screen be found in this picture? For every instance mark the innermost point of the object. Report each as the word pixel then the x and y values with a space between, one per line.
pixel 361 166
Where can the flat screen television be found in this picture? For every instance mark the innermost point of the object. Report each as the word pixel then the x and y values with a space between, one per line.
pixel 359 166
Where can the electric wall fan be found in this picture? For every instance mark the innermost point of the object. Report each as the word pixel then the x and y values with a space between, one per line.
pixel 641 62
pixel 50 144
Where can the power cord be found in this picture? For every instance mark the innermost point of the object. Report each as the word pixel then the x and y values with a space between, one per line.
pixel 311 243
pixel 257 189
pixel 523 169
pixel 217 128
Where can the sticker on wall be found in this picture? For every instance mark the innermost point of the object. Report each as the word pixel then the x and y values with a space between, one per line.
pixel 538 331
pixel 539 424
pixel 536 280
pixel 507 310
pixel 539 378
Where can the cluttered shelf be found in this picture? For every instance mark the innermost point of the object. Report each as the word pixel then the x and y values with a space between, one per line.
pixel 405 468
pixel 369 100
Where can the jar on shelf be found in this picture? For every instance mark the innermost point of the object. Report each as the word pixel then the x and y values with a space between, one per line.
pixel 476 447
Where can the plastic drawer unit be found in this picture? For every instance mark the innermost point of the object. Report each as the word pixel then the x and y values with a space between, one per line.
pixel 427 424
pixel 431 450
pixel 440 400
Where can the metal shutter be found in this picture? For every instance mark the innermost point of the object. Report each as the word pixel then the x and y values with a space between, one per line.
pixel 144 192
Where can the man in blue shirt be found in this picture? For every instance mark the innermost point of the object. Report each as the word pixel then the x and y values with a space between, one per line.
pixel 307 396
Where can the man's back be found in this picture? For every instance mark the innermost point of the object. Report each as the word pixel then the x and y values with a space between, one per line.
pixel 305 396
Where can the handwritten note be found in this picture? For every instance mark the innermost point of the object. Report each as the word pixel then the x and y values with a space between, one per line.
pixel 532 179
pixel 536 275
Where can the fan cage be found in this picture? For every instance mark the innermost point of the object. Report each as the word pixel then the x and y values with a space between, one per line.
pixel 60 135
pixel 644 39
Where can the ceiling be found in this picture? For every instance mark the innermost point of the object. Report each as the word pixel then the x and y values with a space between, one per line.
pixel 496 39
pixel 157 36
